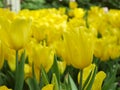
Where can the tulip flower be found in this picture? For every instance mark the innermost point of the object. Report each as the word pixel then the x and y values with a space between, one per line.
pixel 41 55
pixel 15 33
pixel 61 66
pixel 79 45
pixel 73 4
pixel 27 71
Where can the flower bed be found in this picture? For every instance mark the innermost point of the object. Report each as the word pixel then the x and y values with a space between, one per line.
pixel 60 49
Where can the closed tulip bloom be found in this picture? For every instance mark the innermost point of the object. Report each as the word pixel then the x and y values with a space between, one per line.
pixel 15 33
pixel 27 71
pixel 79 45
pixel 61 66
pixel 73 4
pixel 41 55
pixel 1 55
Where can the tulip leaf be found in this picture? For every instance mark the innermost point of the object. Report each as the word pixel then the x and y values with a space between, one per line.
pixel 19 80
pixel 44 76
pixel 71 83
pixel 66 82
pixel 55 69
pixel 55 82
pixel 109 82
pixel 32 82
pixel 1 79
pixel 63 86
pixel 92 79
pixel 113 86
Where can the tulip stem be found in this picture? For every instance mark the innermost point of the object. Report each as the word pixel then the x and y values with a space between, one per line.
pixel 16 76
pixel 16 60
pixel 81 76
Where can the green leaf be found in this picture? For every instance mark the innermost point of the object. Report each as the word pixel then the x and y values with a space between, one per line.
pixel 109 82
pixel 55 69
pixel 44 76
pixel 55 82
pixel 71 83
pixel 1 78
pixel 66 82
pixel 32 82
pixel 63 85
pixel 19 80
pixel 113 86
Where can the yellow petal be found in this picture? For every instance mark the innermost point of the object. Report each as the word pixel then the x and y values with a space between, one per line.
pixel 73 4
pixel 86 72
pixel 28 70
pixel 48 87
pixel 79 45
pixel 100 76
pixel 4 30
pixel 20 32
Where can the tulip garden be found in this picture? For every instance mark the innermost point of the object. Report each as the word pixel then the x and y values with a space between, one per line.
pixel 60 48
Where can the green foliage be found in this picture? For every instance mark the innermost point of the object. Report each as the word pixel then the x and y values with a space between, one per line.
pixel 37 4
pixel 32 81
pixel 19 74
pixel 1 3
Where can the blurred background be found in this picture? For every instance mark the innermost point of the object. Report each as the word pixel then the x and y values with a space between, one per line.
pixel 37 4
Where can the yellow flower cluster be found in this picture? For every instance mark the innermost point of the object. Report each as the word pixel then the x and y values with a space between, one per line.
pixel 106 23
pixel 43 33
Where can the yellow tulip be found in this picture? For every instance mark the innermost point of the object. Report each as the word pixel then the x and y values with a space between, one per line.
pixel 38 30
pixel 79 12
pixel 4 88
pixel 80 45
pixel 41 55
pixel 9 55
pixel 61 66
pixel 110 46
pixel 73 4
pixel 15 33
pixel 114 51
pixel 1 55
pixel 7 13
pixel 28 71
pixel 61 51
pixel 48 87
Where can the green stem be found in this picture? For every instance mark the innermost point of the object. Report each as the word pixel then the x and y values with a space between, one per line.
pixel 81 76
pixel 17 59
pixel 16 71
